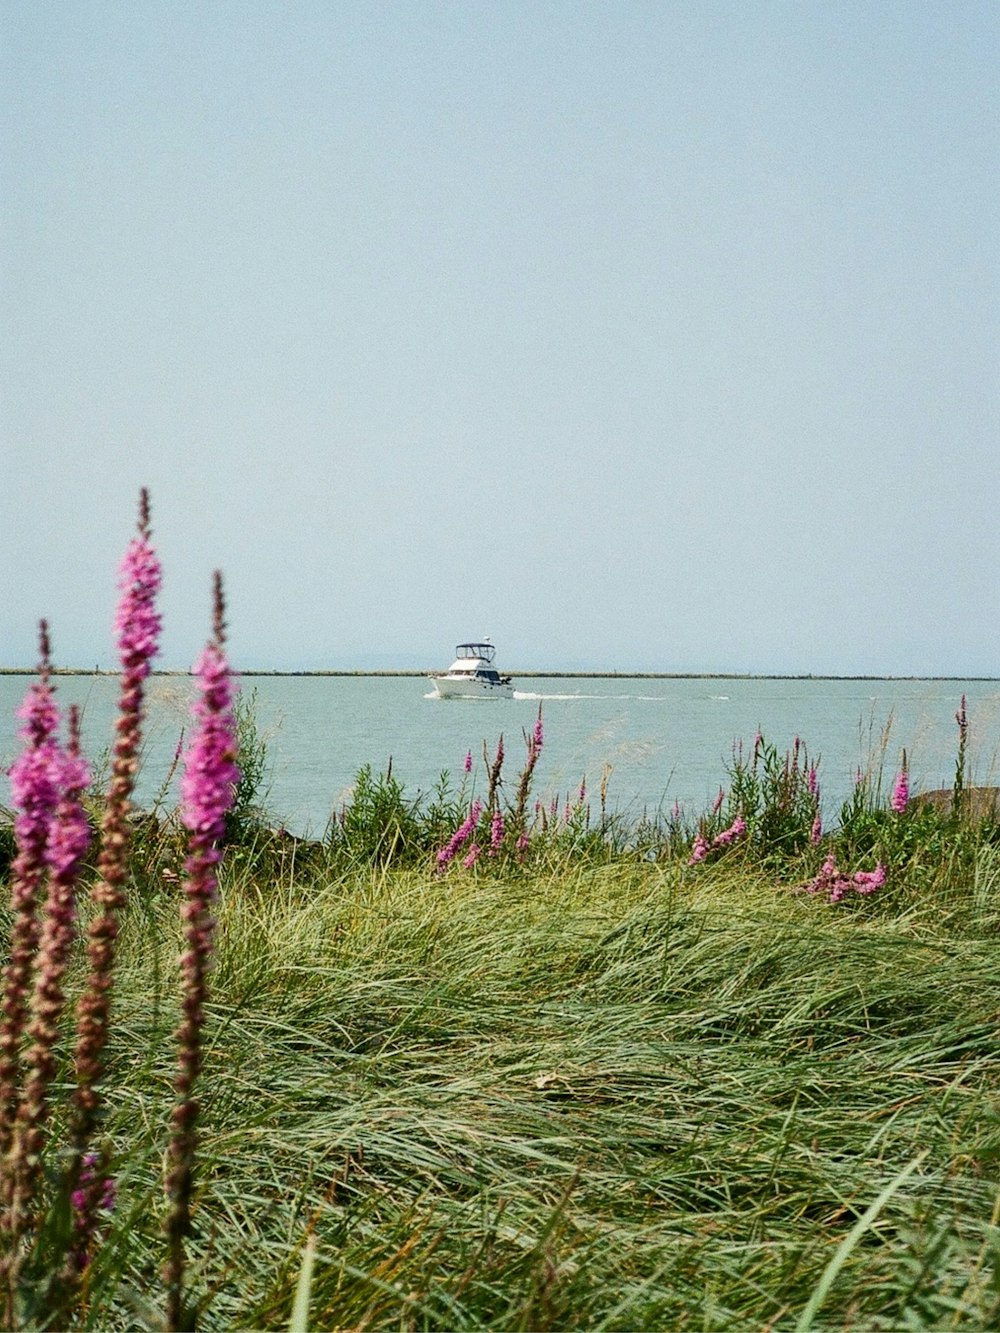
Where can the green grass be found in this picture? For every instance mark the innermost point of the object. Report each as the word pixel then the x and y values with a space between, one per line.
pixel 600 1094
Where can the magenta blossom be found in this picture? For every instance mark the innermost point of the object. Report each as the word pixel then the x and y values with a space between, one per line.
pixel 699 850
pixel 35 774
pixel 735 830
pixel 836 884
pixel 867 881
pixel 900 797
pixel 460 837
pixel 468 761
pixel 816 832
pixel 496 833
pixel 210 771
pixel 470 860
pixel 137 622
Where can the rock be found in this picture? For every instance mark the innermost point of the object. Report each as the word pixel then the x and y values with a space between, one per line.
pixel 977 802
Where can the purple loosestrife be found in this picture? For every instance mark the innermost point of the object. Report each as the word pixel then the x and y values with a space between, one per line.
pixel 469 861
pixel 816 832
pixel 699 850
pixel 900 797
pixel 34 787
pixel 534 742
pixel 207 787
pixel 496 833
pixel 836 885
pixel 69 838
pixel 137 628
pixel 468 761
pixel 729 835
pixel 460 837
pixel 93 1177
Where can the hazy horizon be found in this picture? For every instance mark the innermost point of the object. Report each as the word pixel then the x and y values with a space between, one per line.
pixel 654 337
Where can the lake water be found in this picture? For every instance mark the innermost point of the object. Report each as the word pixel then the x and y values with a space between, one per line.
pixel 664 739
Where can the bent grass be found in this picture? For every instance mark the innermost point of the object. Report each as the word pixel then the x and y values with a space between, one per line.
pixel 616 1097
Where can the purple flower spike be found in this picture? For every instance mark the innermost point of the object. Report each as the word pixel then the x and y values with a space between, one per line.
pixel 207 789
pixel 137 622
pixel 900 797
pixel 35 789
pixel 468 761
pixel 473 856
pixel 460 837
pixel 496 833
pixel 210 771
pixel 699 850
pixel 137 626
pixel 868 881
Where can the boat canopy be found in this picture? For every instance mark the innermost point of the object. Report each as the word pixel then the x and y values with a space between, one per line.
pixel 485 651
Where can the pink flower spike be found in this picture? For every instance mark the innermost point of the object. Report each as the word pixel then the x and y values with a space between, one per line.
pixel 460 836
pixel 210 771
pixel 717 803
pixel 868 881
pixel 900 797
pixel 735 830
pixel 473 856
pixel 468 762
pixel 35 785
pixel 207 790
pixel 699 850
pixel 816 832
pixel 496 833
pixel 137 623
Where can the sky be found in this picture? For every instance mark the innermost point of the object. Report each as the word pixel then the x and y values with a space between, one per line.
pixel 649 336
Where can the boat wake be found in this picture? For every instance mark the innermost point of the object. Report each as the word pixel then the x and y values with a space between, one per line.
pixel 532 695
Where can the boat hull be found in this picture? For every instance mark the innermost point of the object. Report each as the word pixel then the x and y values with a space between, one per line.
pixel 470 687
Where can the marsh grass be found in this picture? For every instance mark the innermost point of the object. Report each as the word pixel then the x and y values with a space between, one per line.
pixel 605 1096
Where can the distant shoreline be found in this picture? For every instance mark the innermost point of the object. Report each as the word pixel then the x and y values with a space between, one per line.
pixel 524 675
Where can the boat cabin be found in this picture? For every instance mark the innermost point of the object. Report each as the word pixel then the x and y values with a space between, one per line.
pixel 484 651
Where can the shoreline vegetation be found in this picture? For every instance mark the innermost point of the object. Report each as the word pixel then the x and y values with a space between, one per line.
pixel 474 1061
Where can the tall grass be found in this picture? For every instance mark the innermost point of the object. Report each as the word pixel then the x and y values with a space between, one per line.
pixel 616 1096
pixel 574 1074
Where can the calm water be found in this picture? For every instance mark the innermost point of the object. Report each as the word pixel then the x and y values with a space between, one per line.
pixel 665 740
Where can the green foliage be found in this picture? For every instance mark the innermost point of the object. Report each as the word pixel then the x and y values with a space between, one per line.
pixel 8 847
pixel 379 825
pixel 776 797
pixel 244 816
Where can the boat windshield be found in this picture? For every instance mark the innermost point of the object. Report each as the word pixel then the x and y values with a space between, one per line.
pixel 485 651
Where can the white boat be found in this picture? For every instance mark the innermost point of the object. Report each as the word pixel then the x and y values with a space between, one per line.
pixel 472 675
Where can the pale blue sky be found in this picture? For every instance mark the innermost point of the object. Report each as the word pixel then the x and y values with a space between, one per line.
pixel 638 335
